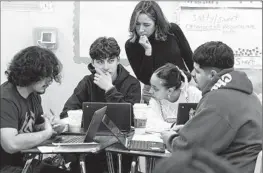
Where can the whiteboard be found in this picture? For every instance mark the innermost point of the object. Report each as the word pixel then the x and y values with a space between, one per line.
pixel 240 28
pixel 111 19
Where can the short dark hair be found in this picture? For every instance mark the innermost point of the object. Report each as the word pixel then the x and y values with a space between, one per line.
pixel 31 65
pixel 103 48
pixel 171 75
pixel 154 11
pixel 214 54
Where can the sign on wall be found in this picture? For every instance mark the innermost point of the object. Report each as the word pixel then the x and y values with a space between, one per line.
pixel 238 26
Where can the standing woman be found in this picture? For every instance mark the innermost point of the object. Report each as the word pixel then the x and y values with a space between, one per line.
pixel 154 42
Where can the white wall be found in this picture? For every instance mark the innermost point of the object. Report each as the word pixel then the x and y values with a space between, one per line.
pixel 16 34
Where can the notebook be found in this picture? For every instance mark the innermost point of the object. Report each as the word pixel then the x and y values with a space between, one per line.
pixel 119 113
pixel 184 110
pixel 89 137
pixel 130 144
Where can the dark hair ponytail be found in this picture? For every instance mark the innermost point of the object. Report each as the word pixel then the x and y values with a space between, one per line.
pixel 172 75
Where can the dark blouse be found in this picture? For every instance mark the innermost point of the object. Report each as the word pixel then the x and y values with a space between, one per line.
pixel 175 49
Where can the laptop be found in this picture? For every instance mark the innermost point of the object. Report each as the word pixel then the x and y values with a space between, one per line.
pixel 119 113
pixel 184 110
pixel 89 138
pixel 128 143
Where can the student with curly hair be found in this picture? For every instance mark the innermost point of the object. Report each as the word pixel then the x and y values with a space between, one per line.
pixel 154 42
pixel 109 82
pixel 22 125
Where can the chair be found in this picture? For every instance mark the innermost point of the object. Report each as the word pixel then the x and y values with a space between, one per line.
pixel 258 167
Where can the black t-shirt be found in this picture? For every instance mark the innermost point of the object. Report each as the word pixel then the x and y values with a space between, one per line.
pixel 18 113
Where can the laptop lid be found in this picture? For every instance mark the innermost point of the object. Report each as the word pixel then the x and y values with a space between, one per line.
pixel 119 113
pixel 184 111
pixel 92 128
pixel 109 124
pixel 95 124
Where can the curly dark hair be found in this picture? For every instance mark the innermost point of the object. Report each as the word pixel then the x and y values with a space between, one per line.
pixel 214 54
pixel 103 48
pixel 171 75
pixel 33 64
pixel 154 11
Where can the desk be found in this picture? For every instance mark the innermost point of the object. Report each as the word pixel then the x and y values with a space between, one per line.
pixel 119 149
pixel 81 154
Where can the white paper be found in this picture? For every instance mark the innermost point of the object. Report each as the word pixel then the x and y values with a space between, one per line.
pixel 47 149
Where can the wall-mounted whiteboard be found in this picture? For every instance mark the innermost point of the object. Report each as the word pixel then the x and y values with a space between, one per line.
pixel 240 27
pixel 110 18
pixel 237 23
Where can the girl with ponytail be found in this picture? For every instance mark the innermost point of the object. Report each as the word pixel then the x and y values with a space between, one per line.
pixel 169 86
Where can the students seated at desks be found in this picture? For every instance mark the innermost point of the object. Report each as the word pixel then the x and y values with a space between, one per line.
pixel 194 160
pixel 109 82
pixel 169 86
pixel 228 119
pixel 22 126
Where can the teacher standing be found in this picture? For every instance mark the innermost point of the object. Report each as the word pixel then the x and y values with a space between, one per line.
pixel 154 42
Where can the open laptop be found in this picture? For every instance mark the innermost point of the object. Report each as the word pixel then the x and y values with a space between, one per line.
pixel 89 138
pixel 119 113
pixel 130 144
pixel 184 111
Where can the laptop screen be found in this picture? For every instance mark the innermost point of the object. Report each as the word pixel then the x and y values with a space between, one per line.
pixel 119 113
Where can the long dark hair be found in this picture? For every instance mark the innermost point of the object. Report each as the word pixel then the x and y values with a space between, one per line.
pixel 154 11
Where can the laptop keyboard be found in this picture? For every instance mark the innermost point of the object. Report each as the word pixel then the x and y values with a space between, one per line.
pixel 146 146
pixel 72 139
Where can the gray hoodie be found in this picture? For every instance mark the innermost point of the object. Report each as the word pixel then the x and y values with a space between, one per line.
pixel 228 121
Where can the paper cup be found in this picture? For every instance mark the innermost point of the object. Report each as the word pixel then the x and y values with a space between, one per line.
pixel 74 121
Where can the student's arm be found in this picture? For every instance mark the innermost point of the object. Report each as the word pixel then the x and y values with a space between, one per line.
pixel 184 46
pixel 132 96
pixel 11 140
pixel 207 128
pixel 79 95
pixel 141 64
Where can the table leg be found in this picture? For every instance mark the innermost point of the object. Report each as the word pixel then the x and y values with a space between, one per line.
pixel 110 162
pixel 150 163
pixel 119 162
pixel 82 163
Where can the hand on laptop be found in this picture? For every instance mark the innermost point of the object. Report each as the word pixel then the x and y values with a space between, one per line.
pixel 103 80
pixel 177 127
pixel 165 135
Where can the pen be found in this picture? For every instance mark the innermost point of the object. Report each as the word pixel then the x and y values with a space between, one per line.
pixel 52 112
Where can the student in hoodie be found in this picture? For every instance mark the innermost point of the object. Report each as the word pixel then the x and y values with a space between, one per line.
pixel 194 160
pixel 154 42
pixel 109 82
pixel 228 119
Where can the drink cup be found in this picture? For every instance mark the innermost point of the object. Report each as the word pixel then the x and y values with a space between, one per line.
pixel 140 115
pixel 74 121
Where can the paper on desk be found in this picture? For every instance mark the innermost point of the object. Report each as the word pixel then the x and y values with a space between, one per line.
pixel 78 149
pixel 46 149
pixel 147 137
pixel 67 149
